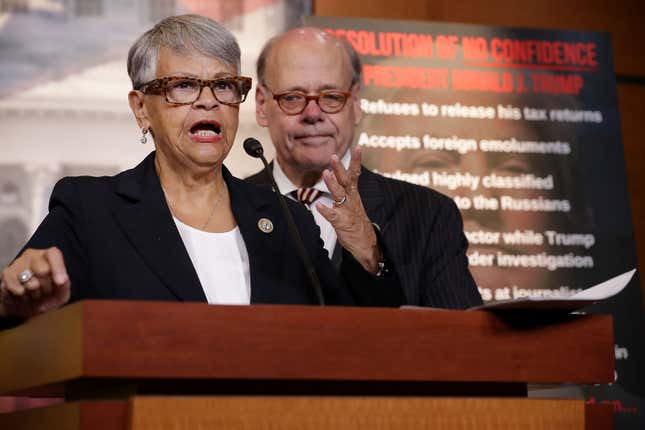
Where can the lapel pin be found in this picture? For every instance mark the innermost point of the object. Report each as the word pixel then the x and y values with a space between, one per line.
pixel 265 225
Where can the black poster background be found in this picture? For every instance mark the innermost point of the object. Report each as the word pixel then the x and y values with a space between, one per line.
pixel 588 183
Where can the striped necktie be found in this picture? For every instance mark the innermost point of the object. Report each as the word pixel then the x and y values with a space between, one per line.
pixel 306 196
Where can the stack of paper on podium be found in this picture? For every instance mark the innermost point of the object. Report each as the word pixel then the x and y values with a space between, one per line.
pixel 588 296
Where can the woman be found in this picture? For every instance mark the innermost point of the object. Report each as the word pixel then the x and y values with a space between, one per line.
pixel 179 226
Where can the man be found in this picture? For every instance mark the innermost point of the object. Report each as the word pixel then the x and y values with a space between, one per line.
pixel 308 97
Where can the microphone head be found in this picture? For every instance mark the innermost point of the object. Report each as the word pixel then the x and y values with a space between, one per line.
pixel 253 147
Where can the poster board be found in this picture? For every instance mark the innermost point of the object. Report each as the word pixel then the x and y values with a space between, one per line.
pixel 521 128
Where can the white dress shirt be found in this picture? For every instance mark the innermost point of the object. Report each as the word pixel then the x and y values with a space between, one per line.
pixel 327 232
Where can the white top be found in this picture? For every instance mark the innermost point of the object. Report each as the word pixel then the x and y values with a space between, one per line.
pixel 221 262
pixel 327 232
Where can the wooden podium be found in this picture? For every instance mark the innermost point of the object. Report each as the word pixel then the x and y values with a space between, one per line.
pixel 153 365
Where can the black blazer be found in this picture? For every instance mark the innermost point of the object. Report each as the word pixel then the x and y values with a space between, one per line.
pixel 119 241
pixel 422 231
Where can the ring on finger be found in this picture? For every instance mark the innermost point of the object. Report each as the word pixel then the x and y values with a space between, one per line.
pixel 25 276
pixel 341 201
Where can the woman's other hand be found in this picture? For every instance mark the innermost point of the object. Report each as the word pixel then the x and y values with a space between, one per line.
pixel 34 283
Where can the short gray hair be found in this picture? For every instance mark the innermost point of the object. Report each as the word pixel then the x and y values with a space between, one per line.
pixel 179 33
pixel 354 58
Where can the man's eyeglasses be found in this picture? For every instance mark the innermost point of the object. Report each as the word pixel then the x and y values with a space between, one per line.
pixel 295 102
pixel 180 90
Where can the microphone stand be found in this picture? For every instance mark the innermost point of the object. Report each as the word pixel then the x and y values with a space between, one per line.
pixel 254 148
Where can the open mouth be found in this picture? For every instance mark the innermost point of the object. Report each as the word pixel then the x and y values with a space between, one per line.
pixel 206 129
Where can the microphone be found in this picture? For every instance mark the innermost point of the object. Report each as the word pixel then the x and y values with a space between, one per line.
pixel 253 147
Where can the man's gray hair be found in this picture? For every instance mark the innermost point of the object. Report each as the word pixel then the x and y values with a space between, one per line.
pixel 181 33
pixel 354 59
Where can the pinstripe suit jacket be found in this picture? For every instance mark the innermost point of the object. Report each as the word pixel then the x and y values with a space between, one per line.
pixel 422 231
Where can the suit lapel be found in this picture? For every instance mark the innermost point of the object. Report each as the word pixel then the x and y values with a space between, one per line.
pixel 261 178
pixel 265 249
pixel 372 198
pixel 143 214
